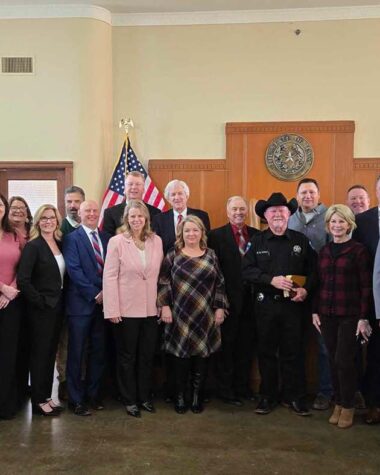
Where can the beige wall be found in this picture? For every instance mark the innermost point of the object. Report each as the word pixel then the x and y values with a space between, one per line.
pixel 64 111
pixel 180 85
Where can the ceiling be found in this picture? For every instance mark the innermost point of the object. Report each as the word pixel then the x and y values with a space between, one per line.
pixel 165 6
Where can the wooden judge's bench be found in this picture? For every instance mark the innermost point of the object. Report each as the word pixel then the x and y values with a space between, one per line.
pixel 244 171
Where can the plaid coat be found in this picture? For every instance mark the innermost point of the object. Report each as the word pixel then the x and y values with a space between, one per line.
pixel 345 282
pixel 194 288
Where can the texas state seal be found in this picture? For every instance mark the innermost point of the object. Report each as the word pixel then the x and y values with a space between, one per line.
pixel 289 157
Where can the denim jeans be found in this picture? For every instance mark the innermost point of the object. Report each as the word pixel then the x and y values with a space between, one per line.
pixel 325 383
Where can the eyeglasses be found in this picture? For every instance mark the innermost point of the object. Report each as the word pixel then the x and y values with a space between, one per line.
pixel 50 218
pixel 18 208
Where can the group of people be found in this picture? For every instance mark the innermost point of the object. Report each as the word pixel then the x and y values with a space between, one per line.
pixel 151 282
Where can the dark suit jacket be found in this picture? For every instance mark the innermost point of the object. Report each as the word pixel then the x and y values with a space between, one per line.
pixel 114 215
pixel 84 280
pixel 163 225
pixel 367 231
pixel 38 275
pixel 223 242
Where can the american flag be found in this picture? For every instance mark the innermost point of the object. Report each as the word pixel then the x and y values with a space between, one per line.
pixel 115 192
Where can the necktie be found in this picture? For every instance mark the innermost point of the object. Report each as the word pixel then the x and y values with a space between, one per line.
pixel 179 219
pixel 241 242
pixel 98 253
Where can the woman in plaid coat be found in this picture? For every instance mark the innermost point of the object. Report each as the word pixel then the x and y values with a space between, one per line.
pixel 341 306
pixel 192 296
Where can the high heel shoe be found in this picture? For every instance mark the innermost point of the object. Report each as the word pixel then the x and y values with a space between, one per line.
pixel 40 409
pixel 54 405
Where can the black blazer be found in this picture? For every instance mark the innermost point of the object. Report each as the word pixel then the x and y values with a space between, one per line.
pixel 367 231
pixel 223 242
pixel 113 217
pixel 38 276
pixel 163 225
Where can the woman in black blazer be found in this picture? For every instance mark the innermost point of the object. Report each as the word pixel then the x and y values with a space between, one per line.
pixel 40 279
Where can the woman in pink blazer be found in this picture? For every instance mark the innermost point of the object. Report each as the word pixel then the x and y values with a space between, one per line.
pixel 130 278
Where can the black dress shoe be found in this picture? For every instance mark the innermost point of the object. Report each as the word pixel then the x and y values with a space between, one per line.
pixel 180 405
pixel 148 406
pixel 96 404
pixel 44 410
pixel 133 410
pixel 265 406
pixel 56 406
pixel 80 410
pixel 233 401
pixel 298 407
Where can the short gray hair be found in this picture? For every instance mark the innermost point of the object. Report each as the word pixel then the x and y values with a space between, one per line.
pixel 174 183
pixel 236 197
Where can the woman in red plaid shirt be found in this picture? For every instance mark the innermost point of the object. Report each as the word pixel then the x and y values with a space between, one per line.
pixel 341 306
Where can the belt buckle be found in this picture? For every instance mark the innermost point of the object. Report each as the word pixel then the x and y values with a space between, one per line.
pixel 260 297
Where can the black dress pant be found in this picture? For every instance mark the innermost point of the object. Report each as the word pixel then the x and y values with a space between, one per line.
pixel 279 337
pixel 9 334
pixel 136 344
pixel 45 325
pixel 234 360
pixel 23 353
pixel 339 334
pixel 372 373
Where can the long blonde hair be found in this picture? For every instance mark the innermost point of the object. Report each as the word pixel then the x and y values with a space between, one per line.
pixel 35 232
pixel 180 243
pixel 146 230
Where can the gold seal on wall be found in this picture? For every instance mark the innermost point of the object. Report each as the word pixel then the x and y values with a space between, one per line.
pixel 289 157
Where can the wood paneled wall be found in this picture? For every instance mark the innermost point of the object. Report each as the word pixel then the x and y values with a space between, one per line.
pixel 243 172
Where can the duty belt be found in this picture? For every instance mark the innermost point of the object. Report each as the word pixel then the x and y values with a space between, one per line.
pixel 261 296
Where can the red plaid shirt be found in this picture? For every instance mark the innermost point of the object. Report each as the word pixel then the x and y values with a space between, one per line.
pixel 345 281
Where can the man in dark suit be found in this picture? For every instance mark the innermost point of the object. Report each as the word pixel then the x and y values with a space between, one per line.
pixel 177 193
pixel 234 361
pixel 84 251
pixel 74 196
pixel 134 190
pixel 164 224
pixel 367 232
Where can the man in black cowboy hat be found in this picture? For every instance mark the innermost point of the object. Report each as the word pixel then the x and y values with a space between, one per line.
pixel 281 265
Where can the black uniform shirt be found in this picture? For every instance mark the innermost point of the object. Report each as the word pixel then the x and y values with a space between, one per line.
pixel 270 255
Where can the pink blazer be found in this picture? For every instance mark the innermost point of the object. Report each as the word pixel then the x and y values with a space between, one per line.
pixel 129 289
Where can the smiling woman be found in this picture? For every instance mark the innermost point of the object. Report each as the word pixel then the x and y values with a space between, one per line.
pixel 130 291
pixel 40 278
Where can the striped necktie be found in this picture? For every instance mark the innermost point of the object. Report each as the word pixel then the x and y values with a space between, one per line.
pixel 179 219
pixel 98 252
pixel 242 243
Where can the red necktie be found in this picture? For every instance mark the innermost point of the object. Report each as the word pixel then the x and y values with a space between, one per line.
pixel 179 219
pixel 98 253
pixel 241 242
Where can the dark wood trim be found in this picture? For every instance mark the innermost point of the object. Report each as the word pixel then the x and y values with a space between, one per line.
pixel 340 126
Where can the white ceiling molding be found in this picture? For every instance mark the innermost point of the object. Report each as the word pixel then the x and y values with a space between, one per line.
pixel 189 18
pixel 245 16
pixel 55 11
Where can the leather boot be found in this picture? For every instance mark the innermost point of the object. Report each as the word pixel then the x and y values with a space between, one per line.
pixel 334 419
pixel 346 418
pixel 196 404
pixel 198 376
pixel 181 376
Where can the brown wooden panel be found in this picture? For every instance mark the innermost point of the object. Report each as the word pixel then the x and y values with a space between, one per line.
pixel 206 180
pixel 365 172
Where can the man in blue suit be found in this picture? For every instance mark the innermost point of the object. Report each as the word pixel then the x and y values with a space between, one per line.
pixel 84 250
